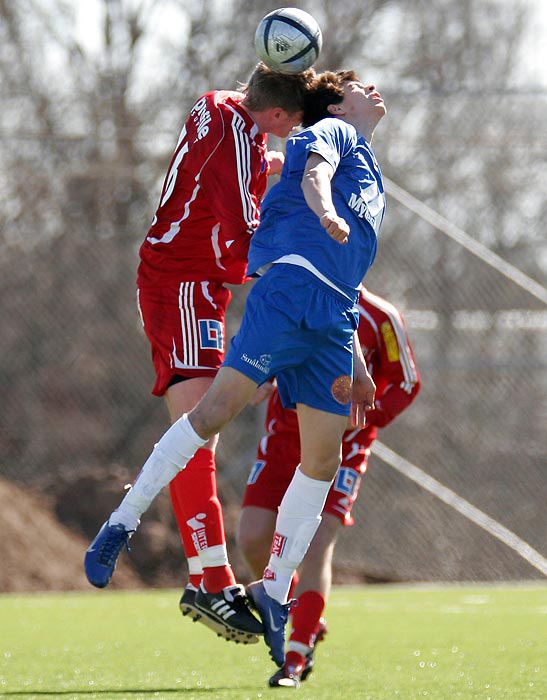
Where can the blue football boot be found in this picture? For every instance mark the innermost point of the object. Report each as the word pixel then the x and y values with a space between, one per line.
pixel 274 616
pixel 102 554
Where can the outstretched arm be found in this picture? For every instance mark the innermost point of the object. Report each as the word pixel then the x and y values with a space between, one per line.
pixel 317 192
pixel 395 369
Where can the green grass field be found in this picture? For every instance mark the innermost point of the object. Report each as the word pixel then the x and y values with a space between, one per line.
pixel 385 643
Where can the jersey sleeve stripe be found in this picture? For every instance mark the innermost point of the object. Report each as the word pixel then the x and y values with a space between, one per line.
pixel 372 323
pixel 406 360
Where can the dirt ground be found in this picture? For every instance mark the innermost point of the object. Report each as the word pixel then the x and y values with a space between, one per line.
pixel 45 529
pixel 37 552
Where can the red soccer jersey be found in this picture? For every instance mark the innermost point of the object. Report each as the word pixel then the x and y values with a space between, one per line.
pixel 390 361
pixel 209 204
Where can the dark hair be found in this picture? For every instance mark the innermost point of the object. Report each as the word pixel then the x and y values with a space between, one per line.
pixel 267 89
pixel 328 90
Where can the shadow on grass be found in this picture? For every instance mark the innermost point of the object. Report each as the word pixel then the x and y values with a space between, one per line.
pixel 116 691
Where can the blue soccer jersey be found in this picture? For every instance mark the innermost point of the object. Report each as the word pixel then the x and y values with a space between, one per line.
pixel 290 228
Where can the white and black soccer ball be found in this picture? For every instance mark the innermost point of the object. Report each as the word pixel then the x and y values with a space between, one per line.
pixel 288 40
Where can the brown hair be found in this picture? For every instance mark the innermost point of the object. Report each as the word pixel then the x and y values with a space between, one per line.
pixel 267 89
pixel 327 90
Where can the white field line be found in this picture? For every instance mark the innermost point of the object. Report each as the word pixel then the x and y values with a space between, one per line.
pixel 464 239
pixel 469 511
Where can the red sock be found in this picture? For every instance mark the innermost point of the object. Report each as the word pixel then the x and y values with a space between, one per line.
pixel 199 515
pixel 215 578
pixel 294 662
pixel 294 583
pixel 176 488
pixel 306 616
pixel 195 579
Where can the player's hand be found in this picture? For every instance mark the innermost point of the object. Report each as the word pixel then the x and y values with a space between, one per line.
pixel 335 226
pixel 362 401
pixel 363 392
pixel 358 416
pixel 262 393
pixel 275 161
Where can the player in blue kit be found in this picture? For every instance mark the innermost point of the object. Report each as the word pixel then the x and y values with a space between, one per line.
pixel 316 241
pixel 290 225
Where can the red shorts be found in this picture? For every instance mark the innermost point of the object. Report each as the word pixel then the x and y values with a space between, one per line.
pixel 185 325
pixel 278 456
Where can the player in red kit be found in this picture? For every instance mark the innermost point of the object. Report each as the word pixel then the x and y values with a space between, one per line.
pixel 391 362
pixel 198 241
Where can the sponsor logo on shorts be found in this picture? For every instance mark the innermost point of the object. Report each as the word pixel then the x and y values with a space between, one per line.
pixel 278 544
pixel 262 363
pixel 268 575
pixel 347 482
pixel 341 389
pixel 211 334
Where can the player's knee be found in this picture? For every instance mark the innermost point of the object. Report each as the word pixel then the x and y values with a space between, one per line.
pixel 208 423
pixel 323 468
pixel 215 410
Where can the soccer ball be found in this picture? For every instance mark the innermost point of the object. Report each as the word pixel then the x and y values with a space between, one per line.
pixel 288 40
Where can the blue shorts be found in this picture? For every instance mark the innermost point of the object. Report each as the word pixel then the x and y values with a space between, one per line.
pixel 298 329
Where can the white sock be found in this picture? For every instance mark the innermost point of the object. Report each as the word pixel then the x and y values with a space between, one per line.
pixel 171 454
pixel 194 569
pixel 216 555
pixel 298 518
pixel 299 647
pixel 194 566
